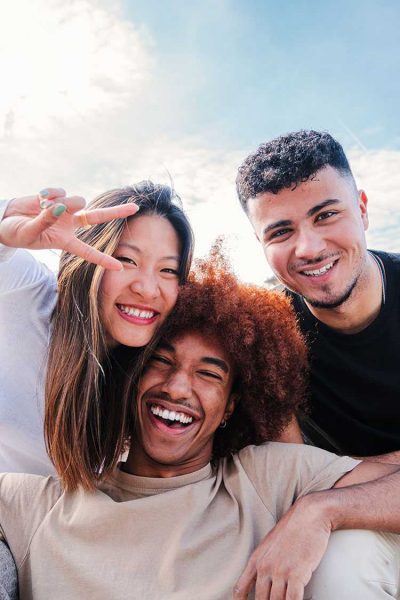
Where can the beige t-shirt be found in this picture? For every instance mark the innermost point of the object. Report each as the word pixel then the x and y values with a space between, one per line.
pixel 181 538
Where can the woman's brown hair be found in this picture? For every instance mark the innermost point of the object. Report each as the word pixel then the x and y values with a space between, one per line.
pixel 87 413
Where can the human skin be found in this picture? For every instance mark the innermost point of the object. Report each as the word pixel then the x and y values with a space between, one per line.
pixel 26 225
pixel 282 565
pixel 313 237
pixel 320 222
pixel 142 274
pixel 137 299
pixel 192 376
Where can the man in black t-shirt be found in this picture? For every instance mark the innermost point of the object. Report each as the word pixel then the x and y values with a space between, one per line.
pixel 301 198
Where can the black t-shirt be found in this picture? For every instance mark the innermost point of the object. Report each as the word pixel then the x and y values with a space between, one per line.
pixel 355 379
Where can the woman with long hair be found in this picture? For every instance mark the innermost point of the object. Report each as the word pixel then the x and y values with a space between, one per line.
pixel 70 338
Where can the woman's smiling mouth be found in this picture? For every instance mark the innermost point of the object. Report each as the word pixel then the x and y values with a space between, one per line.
pixel 136 314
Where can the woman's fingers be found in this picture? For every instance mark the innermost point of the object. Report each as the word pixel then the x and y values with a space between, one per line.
pixel 92 255
pixel 103 215
pixel 30 231
pixel 52 193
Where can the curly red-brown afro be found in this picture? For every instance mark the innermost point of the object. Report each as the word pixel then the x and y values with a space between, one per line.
pixel 258 330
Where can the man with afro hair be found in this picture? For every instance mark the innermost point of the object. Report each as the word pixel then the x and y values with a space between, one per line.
pixel 302 200
pixel 205 507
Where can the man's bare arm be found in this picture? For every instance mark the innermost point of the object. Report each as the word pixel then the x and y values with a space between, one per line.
pixel 392 458
pixel 366 498
pixel 291 434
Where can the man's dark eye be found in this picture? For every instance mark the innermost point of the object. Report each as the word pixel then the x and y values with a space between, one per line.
pixel 211 374
pixel 326 215
pixel 279 233
pixel 160 359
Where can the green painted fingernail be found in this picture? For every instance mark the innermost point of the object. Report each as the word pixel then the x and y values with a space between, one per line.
pixel 44 193
pixel 58 210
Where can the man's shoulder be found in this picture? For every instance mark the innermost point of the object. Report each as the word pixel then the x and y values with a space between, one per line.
pixel 388 258
pixel 26 489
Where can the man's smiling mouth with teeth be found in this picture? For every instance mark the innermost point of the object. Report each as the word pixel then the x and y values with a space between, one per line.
pixel 135 312
pixel 316 272
pixel 171 417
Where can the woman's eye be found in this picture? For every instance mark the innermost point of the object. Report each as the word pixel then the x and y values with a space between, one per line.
pixel 170 271
pixel 126 259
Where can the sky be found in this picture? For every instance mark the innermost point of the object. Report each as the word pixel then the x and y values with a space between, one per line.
pixel 99 94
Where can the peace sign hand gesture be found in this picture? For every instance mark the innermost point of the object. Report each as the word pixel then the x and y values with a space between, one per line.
pixel 50 220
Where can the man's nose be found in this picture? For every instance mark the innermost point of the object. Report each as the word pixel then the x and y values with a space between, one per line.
pixel 178 385
pixel 309 244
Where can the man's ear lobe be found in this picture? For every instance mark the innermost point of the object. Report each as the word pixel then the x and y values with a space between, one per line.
pixel 231 405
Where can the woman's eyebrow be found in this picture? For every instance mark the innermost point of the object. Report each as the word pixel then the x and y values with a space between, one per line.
pixel 139 251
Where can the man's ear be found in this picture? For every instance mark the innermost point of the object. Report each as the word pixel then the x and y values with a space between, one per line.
pixel 362 203
pixel 233 400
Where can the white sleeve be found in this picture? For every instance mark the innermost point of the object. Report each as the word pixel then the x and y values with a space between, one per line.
pixel 21 270
pixel 5 251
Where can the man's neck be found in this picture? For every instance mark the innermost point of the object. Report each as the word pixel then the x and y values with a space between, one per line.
pixel 361 308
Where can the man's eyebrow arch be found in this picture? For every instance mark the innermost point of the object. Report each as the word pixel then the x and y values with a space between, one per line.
pixel 323 204
pixel 139 251
pixel 284 223
pixel 310 213
pixel 165 346
pixel 217 362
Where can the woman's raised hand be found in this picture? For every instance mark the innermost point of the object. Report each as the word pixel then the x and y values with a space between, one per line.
pixel 50 220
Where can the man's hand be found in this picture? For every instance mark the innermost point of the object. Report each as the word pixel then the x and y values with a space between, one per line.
pixel 282 565
pixel 26 225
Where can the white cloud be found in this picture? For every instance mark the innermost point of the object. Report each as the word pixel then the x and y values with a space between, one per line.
pixel 378 173
pixel 61 62
pixel 77 110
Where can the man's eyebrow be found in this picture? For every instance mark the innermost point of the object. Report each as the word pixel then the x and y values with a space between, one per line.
pixel 139 251
pixel 310 213
pixel 217 362
pixel 165 346
pixel 323 204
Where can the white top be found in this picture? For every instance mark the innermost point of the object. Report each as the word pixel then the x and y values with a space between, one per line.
pixel 27 298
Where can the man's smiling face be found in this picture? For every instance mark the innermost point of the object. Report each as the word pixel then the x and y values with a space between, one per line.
pixel 184 395
pixel 313 236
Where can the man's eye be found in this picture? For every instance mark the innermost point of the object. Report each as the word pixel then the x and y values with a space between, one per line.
pixel 126 259
pixel 279 233
pixel 211 374
pixel 326 215
pixel 160 359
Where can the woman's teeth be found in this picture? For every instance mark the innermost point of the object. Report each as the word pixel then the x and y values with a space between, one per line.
pixel 320 271
pixel 170 415
pixel 135 312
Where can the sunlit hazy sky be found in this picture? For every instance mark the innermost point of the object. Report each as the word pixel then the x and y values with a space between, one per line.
pixel 97 94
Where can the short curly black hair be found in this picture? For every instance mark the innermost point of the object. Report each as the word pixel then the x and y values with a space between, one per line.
pixel 287 161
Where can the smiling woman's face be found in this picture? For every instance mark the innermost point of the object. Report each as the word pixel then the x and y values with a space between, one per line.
pixel 183 396
pixel 136 300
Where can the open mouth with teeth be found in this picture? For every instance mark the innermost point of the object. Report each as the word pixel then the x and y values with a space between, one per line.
pixel 175 420
pixel 319 272
pixel 137 315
